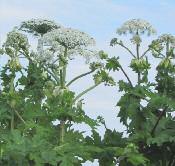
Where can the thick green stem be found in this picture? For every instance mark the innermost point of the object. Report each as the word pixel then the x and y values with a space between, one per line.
pixel 64 75
pixel 138 57
pixel 61 78
pixel 64 67
pixel 63 82
pixel 12 110
pixel 62 63
pixel 12 124
pixel 62 131
pixel 167 48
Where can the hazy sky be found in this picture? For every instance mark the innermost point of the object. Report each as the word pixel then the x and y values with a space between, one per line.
pixel 99 18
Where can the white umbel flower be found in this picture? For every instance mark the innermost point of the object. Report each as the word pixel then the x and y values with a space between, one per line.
pixel 70 38
pixel 38 27
pixel 75 41
pixel 167 38
pixel 163 46
pixel 136 26
pixel 16 40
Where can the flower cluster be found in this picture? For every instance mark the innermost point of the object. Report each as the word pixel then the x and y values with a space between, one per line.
pixel 136 39
pixel 140 65
pixel 38 27
pixel 165 43
pixel 136 26
pixel 167 38
pixel 46 53
pixel 74 41
pixel 166 63
pixel 69 38
pixel 16 40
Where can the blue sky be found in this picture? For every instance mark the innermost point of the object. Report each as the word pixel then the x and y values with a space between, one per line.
pixel 99 18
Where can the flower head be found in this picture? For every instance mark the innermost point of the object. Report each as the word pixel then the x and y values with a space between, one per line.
pixel 38 27
pixel 69 38
pixel 136 26
pixel 164 43
pixel 74 41
pixel 167 38
pixel 16 40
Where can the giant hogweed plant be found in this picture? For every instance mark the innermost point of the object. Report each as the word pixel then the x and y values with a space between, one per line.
pixel 146 108
pixel 37 106
pixel 129 102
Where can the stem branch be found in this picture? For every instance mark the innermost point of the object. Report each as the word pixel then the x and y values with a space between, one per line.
pixel 19 116
pixel 80 76
pixel 127 77
pixel 145 53
pixel 85 91
pixel 126 49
